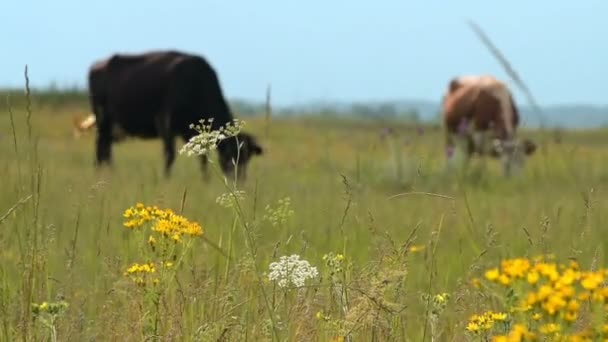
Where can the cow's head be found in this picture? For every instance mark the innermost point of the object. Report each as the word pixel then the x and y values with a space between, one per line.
pixel 237 151
pixel 512 153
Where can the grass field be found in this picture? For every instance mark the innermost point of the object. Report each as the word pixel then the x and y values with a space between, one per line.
pixel 63 238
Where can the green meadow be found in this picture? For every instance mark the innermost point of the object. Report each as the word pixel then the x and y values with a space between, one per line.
pixel 385 222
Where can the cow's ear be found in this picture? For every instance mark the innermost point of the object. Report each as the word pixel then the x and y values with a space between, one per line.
pixel 256 149
pixel 529 147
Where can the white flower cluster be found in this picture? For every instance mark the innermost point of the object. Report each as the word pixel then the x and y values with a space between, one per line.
pixel 290 269
pixel 207 139
pixel 281 213
pixel 228 199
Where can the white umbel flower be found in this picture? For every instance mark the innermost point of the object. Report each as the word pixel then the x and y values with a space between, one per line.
pixel 291 270
pixel 207 139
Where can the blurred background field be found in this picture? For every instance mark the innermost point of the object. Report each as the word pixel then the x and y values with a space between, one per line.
pixel 67 240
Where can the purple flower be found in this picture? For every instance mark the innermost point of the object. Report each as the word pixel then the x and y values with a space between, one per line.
pixel 420 131
pixel 386 132
pixel 463 127
pixel 449 151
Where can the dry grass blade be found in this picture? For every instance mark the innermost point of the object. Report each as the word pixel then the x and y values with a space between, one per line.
pixel 14 207
pixel 507 66
pixel 421 193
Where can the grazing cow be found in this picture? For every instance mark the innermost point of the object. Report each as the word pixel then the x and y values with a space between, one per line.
pixel 477 106
pixel 159 94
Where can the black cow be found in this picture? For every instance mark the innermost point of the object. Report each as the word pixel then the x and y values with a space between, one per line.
pixel 159 94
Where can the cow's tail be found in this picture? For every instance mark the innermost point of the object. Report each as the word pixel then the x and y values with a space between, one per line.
pixel 81 126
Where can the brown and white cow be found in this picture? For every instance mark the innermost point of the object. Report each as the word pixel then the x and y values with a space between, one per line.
pixel 481 109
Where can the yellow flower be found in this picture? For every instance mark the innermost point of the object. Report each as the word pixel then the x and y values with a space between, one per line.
pixel 570 316
pixel 573 305
pixel 416 248
pixel 492 274
pixel 515 268
pixel 544 292
pixel 441 298
pixel 340 257
pixel 550 328
pixel 504 279
pixel 548 271
pixel 592 280
pixel 498 316
pixel 533 277
pixel 554 304
pixel 584 296
pixel 473 327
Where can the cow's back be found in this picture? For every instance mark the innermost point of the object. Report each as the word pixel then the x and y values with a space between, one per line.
pixel 458 105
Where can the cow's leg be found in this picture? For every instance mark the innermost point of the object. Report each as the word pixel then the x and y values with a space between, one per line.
pixel 204 167
pixel 169 152
pixel 103 143
pixel 450 145
pixel 165 129
pixel 452 152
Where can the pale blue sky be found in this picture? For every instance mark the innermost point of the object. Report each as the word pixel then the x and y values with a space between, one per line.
pixel 320 50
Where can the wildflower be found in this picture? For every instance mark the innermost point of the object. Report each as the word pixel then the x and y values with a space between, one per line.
pixel 207 138
pixel 499 316
pixel 449 151
pixel 44 306
pixel 281 213
pixel 550 328
pixel 334 262
pixel 592 280
pixel 50 308
pixel 143 268
pixel 291 270
pixel 473 327
pixel 492 274
pixel 140 272
pixel 416 248
pixel 504 279
pixel 532 277
pixel 441 298
pixel 570 316
pixel 516 268
pixel 227 200
pixel 547 296
pixel 165 222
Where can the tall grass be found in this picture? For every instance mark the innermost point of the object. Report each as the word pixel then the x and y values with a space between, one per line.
pixel 382 259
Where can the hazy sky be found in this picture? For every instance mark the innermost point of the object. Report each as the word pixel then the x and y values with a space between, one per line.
pixel 320 49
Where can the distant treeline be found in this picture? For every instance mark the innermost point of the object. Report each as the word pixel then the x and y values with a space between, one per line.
pixel 78 97
pixel 564 116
